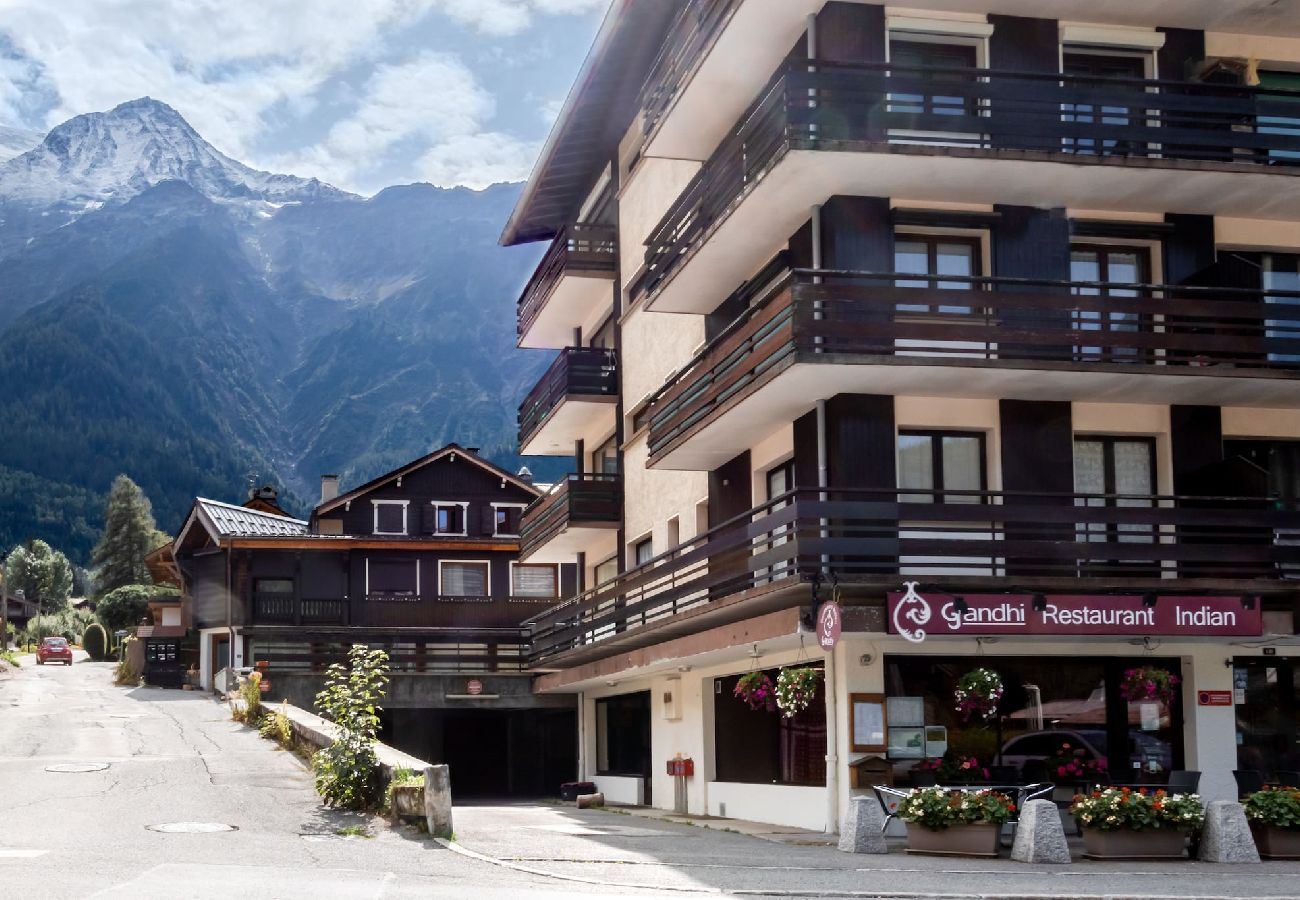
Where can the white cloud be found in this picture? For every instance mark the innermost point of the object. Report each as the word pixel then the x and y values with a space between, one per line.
pixel 477 160
pixel 237 69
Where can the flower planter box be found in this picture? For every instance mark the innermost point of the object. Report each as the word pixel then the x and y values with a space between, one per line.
pixel 1156 843
pixel 959 840
pixel 408 802
pixel 1275 843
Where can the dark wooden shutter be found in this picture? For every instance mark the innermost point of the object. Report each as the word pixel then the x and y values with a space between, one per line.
pixel 861 452
pixel 1018 44
pixel 1037 459
pixel 428 518
pixel 488 520
pixel 1183 51
pixel 1190 248
pixel 851 32
pixel 1032 243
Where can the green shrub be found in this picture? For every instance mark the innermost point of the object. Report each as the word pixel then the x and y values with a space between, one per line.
pixel 95 642
pixel 1278 806
pixel 347 771
pixel 276 727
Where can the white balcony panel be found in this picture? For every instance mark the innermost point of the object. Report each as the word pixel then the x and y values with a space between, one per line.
pixel 776 205
pixel 796 391
pixel 575 418
pixel 597 541
pixel 575 301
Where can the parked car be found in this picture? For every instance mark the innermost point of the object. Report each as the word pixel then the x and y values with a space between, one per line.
pixel 1089 743
pixel 54 649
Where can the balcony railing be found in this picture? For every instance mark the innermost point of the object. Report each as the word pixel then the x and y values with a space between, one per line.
pixel 829 317
pixel 578 250
pixel 842 106
pixel 578 372
pixel 282 609
pixel 1072 542
pixel 592 499
pixel 431 650
pixel 691 33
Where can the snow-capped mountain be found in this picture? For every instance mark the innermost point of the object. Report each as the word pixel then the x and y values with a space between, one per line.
pixel 16 141
pixel 169 312
pixel 114 155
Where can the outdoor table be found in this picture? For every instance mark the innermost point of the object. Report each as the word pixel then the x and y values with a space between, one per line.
pixel 1023 793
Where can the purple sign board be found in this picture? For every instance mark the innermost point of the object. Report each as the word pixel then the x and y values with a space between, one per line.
pixel 916 616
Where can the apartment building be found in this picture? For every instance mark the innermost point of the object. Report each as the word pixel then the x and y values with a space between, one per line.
pixel 984 327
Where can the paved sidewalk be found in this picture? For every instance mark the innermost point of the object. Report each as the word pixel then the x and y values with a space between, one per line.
pixel 657 853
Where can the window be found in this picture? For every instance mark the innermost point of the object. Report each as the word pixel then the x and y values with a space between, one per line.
pixel 643 551
pixel 507 518
pixel 623 735
pixel 1115 472
pixel 449 517
pixel 1288 125
pixel 463 579
pixel 1110 265
pixel 1111 118
pixel 605 460
pixel 390 516
pixel 1282 273
pixel 606 570
pixel 940 461
pixel 272 585
pixel 391 578
pixel 534 580
pixel 934 255
pixel 753 748
pixel 932 64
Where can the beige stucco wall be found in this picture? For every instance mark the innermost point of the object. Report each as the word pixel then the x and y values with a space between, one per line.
pixel 1266 48
pixel 1256 234
pixel 653 497
pixel 1261 423
pixel 646 195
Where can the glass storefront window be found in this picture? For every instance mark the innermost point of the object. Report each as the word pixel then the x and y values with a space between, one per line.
pixel 1268 717
pixel 760 747
pixel 1053 711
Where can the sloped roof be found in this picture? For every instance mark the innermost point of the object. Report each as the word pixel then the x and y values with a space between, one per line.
pixel 436 455
pixel 227 520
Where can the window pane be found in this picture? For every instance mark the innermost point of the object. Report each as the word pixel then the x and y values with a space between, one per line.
pixel 273 585
pixel 645 551
pixel 1089 467
pixel 393 576
pixel 915 466
pixel 534 581
pixel 1133 468
pixel 606 570
pixel 912 257
pixel 962 467
pixel 464 579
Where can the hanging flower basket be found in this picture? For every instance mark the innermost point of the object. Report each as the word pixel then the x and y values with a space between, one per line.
pixel 757 691
pixel 796 688
pixel 978 693
pixel 1147 684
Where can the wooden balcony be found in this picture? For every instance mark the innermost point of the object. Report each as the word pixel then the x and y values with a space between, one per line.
pixel 581 514
pixel 969 541
pixel 814 334
pixel 395 611
pixel 823 129
pixel 284 609
pixel 574 400
pixel 574 278
pixel 446 650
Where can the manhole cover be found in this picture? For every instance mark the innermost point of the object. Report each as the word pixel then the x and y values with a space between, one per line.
pixel 77 768
pixel 191 827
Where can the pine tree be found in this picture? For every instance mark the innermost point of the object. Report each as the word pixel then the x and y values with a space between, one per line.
pixel 129 535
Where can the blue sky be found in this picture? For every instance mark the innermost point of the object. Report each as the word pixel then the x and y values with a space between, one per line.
pixel 359 93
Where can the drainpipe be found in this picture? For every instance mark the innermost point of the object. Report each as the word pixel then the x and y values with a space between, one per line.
pixel 832 721
pixel 230 628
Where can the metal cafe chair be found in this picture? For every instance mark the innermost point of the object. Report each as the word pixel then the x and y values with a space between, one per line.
pixel 1248 781
pixel 1183 781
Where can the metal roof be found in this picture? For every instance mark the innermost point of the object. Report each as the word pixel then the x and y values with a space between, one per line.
pixel 228 520
pixel 593 120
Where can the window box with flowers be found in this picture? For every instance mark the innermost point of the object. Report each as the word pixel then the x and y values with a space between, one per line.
pixel 961 823
pixel 1120 823
pixel 1274 816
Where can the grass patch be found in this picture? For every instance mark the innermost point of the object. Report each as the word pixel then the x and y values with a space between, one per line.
pixel 10 657
pixel 354 831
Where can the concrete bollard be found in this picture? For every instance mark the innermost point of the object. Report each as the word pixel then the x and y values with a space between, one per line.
pixel 1040 837
pixel 1226 837
pixel 590 801
pixel 437 800
pixel 863 830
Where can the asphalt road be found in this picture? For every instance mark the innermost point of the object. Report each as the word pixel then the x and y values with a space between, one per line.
pixel 176 757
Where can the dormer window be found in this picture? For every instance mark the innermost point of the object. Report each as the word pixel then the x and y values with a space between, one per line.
pixel 449 517
pixel 390 516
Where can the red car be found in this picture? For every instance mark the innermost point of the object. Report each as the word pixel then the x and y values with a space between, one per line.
pixel 54 649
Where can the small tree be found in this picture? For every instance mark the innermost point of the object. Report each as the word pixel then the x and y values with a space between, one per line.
pixel 130 534
pixel 95 642
pixel 347 771
pixel 42 573
pixel 127 605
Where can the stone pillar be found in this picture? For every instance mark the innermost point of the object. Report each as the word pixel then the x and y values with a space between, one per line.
pixel 437 800
pixel 1226 837
pixel 863 830
pixel 1040 837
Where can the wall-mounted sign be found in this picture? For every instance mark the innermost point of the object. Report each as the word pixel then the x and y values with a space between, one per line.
pixel 474 687
pixel 1214 698
pixel 830 622
pixel 915 616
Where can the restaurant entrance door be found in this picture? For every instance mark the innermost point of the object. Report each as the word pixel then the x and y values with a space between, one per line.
pixel 1268 716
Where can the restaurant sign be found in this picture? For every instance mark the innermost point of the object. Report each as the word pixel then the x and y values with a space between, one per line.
pixel 916 616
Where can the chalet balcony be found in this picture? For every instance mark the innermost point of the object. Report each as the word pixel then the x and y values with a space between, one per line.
pixel 284 609
pixel 581 514
pixel 719 54
pixel 972 136
pixel 871 541
pixel 815 334
pixel 572 283
pixel 574 400
pixel 425 611
pixel 434 650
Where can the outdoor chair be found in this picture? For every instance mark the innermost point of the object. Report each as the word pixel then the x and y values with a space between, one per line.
pixel 1183 781
pixel 1248 781
pixel 924 779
